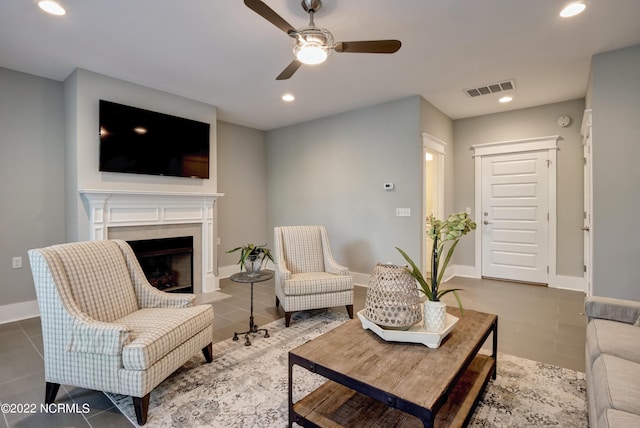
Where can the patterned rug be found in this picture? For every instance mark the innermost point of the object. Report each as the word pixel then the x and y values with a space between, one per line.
pixel 246 386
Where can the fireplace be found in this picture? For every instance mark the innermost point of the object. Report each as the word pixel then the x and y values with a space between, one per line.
pixel 167 263
pixel 131 216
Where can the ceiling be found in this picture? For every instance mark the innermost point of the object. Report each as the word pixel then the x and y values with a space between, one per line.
pixel 222 53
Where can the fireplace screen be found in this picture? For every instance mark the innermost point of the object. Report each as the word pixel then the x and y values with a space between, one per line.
pixel 167 263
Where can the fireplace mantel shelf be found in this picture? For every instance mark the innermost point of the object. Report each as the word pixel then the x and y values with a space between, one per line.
pixel 148 193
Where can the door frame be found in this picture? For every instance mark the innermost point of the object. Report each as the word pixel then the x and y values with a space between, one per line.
pixel 437 148
pixel 585 131
pixel 550 144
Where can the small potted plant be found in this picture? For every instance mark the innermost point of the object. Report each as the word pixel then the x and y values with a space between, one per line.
pixel 456 226
pixel 252 257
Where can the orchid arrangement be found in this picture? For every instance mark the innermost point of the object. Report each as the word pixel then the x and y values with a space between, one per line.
pixel 440 232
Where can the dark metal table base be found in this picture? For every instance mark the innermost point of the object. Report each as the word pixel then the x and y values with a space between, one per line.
pixel 253 328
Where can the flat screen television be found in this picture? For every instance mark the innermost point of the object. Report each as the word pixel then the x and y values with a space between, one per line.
pixel 138 141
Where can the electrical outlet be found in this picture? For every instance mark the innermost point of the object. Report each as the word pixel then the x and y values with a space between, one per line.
pixel 16 263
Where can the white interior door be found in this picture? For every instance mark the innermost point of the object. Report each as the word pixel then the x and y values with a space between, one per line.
pixel 515 217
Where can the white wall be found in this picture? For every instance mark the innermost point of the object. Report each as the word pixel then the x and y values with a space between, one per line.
pixel 83 89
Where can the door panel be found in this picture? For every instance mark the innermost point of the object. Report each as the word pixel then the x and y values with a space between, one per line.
pixel 515 217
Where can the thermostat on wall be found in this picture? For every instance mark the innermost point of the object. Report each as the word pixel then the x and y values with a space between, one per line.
pixel 388 186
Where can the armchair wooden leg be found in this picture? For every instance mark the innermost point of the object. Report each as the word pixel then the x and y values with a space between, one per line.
pixel 141 405
pixel 287 318
pixel 51 392
pixel 277 302
pixel 208 352
pixel 350 311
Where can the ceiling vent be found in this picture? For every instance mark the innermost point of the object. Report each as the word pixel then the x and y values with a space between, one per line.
pixel 490 88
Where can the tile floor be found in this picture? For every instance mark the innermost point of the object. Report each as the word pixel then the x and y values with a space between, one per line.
pixel 538 323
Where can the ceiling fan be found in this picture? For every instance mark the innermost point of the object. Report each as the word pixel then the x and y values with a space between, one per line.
pixel 311 44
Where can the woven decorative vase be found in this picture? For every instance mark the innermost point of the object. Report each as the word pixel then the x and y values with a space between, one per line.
pixel 392 299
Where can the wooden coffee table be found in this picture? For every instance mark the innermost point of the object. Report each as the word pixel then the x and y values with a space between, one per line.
pixel 373 383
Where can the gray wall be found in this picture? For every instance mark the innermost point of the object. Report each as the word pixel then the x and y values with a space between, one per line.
pixel 242 177
pixel 31 175
pixel 615 100
pixel 331 171
pixel 522 124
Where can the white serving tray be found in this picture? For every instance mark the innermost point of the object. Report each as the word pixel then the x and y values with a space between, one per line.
pixel 415 334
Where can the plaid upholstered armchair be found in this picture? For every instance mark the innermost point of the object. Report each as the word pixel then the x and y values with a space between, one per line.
pixel 104 327
pixel 307 276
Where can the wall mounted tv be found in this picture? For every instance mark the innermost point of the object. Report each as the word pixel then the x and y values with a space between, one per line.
pixel 138 141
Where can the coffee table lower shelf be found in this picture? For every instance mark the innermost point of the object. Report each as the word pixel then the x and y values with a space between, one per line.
pixel 335 405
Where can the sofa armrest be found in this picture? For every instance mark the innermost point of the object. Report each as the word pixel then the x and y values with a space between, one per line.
pixel 626 311
pixel 96 337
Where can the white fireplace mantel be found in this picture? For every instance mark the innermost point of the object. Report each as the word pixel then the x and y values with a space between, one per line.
pixel 116 208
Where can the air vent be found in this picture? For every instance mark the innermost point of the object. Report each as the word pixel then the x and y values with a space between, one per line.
pixel 490 88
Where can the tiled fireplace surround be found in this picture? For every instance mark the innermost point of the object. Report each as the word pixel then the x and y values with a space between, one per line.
pixel 152 215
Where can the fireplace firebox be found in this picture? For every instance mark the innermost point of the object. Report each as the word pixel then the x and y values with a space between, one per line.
pixel 167 263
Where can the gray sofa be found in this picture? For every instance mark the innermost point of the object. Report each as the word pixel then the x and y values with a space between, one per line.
pixel 613 362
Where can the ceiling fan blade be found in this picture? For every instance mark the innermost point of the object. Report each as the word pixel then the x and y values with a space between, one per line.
pixel 371 46
pixel 269 14
pixel 288 72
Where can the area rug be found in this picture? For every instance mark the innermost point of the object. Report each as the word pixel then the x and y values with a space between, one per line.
pixel 246 386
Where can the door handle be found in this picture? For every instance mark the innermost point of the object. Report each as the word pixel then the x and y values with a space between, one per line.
pixel 486 222
pixel 586 228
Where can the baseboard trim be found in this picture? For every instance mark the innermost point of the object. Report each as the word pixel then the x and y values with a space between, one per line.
pixel 563 282
pixel 19 311
pixel 461 270
pixel 361 279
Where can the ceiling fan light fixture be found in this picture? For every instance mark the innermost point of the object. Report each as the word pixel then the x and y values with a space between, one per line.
pixel 52 7
pixel 311 53
pixel 573 9
pixel 312 45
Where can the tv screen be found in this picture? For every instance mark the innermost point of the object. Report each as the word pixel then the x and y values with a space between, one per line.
pixel 138 141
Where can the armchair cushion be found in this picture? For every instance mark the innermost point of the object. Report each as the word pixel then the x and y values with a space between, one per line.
pixel 156 331
pixel 302 250
pixel 316 283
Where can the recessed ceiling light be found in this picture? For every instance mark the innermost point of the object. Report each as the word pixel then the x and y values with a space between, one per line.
pixel 52 7
pixel 505 99
pixel 288 98
pixel 572 9
pixel 140 130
